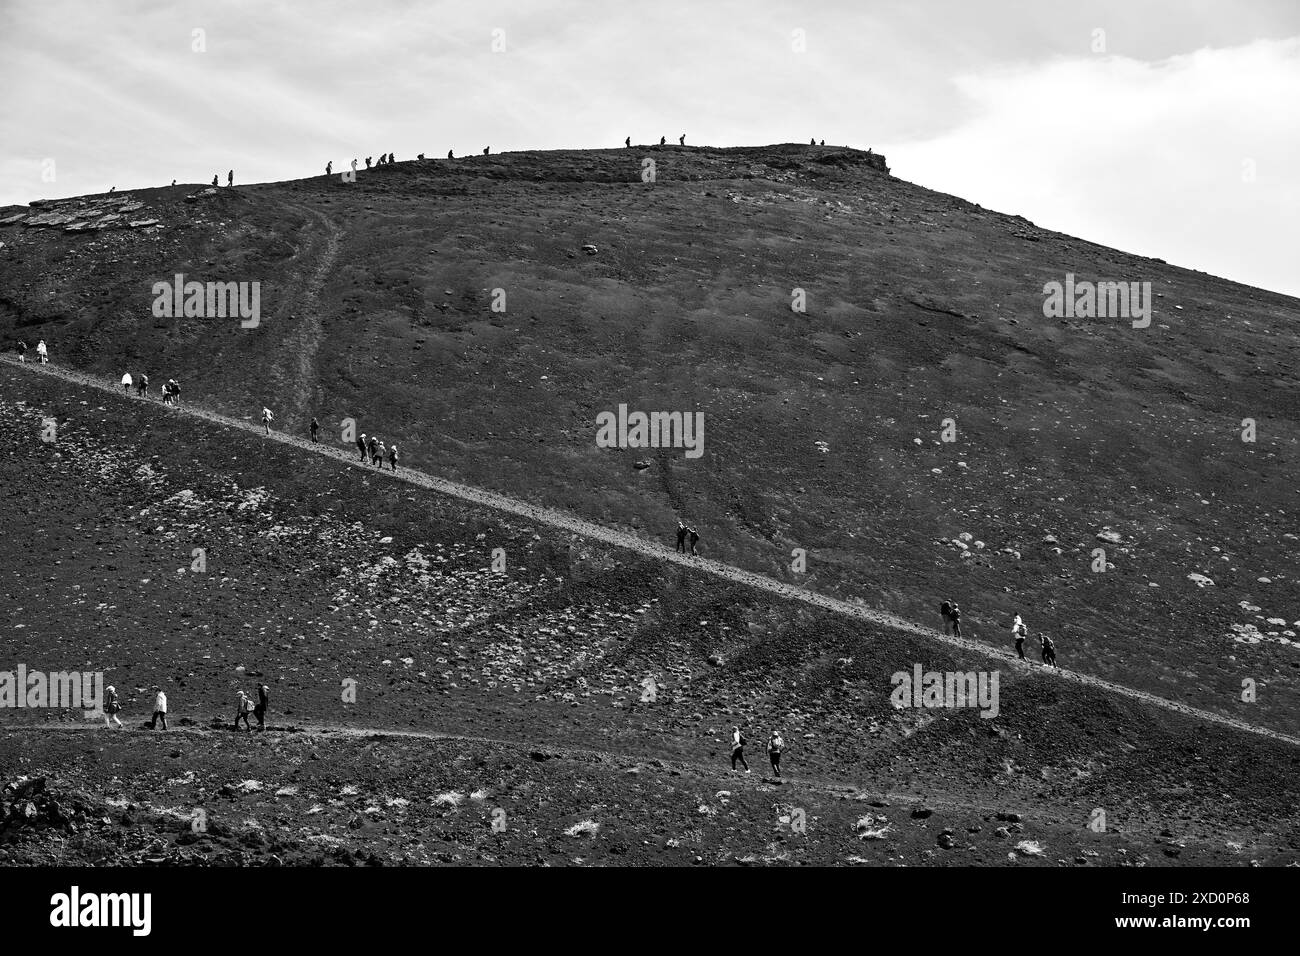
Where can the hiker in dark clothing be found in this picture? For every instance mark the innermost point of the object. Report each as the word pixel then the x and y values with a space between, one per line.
pixel 485 150
pixel 392 457
pixel 230 179
pixel 1049 650
pixel 812 142
pixel 663 140
pixel 142 386
pixel 738 749
pixel 372 446
pixel 214 178
pixel 22 351
pixel 368 158
pixel 774 747
pixel 390 159
pixel 681 537
pixel 315 429
pixel 681 140
pixel 263 706
pixel 822 143
pixel 449 155
pixel 945 611
pixel 695 537
pixel 329 168
pixel 361 445
pixel 628 142
pixel 956 621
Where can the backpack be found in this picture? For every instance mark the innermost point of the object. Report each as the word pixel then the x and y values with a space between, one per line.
pixel 777 744
pixel 945 609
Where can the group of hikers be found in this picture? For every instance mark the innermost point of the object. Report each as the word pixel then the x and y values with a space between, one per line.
pixel 41 351
pixel 775 745
pixel 230 179
pixel 683 533
pixel 171 393
pixel 951 615
pixel 373 449
pixel 243 707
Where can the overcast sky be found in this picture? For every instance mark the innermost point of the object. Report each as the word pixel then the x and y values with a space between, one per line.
pixel 1162 127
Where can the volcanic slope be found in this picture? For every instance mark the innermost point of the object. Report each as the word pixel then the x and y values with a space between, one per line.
pixel 823 427
pixel 586 692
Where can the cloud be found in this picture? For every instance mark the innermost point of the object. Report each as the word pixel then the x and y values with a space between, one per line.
pixel 1191 159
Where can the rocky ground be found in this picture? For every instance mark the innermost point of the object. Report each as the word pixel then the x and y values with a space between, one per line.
pixel 586 692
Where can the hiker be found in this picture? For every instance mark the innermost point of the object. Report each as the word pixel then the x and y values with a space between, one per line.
pixel 449 155
pixel 681 538
pixel 142 386
pixel 956 620
pixel 1049 650
pixel 812 142
pixel 315 429
pixel 774 747
pixel 126 383
pixel 1019 631
pixel 822 143
pixel 420 157
pixel 22 351
pixel 361 446
pixel 329 168
pixel 42 352
pixel 367 162
pixel 681 140
pixel 263 706
pixel 628 142
pixel 392 457
pixel 167 392
pixel 380 161
pixel 372 446
pixel 945 611
pixel 159 711
pixel 267 418
pixel 111 707
pixel 485 150
pixel 114 188
pixel 662 141
pixel 738 749
pixel 243 707
pixel 354 166
pixel 695 537
pixel 173 182
pixel 176 391
pixel 379 458
pixel 215 178
pixel 230 179
pixel 390 159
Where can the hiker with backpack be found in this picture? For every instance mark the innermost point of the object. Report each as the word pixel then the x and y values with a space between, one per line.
pixel 243 707
pixel 42 352
pixel 1019 632
pixel 315 430
pixel 681 538
pixel 126 383
pixel 955 616
pixel 392 457
pixel 738 749
pixel 1049 651
pixel 695 538
pixel 22 351
pixel 267 417
pixel 111 707
pixel 379 458
pixel 945 611
pixel 774 747
pixel 142 386
pixel 361 445
pixel 372 446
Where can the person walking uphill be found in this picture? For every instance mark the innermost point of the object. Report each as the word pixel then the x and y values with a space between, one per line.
pixel 738 749
pixel 267 418
pixel 372 446
pixel 774 747
pixel 243 707
pixel 1049 651
pixel 263 706
pixel 126 383
pixel 695 539
pixel 111 707
pixel 159 711
pixel 392 457
pixel 315 430
pixel 42 352
pixel 1019 632
pixel 681 538
pixel 956 620
pixel 945 611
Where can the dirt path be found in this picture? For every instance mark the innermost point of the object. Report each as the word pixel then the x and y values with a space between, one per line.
pixel 620 539
pixel 304 342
